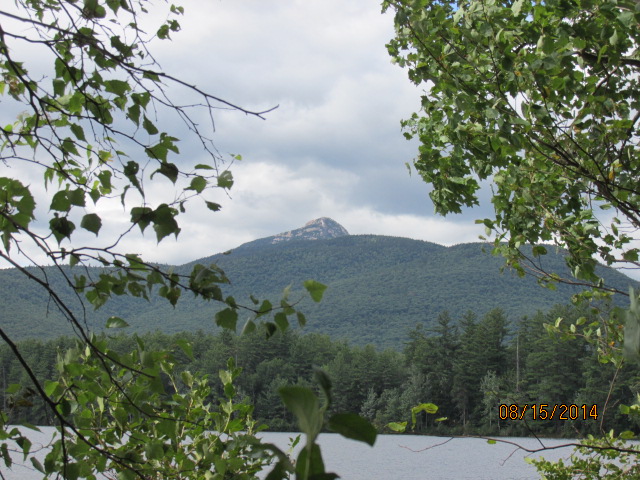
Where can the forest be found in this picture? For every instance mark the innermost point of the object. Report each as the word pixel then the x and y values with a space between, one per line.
pixel 528 108
pixel 386 284
pixel 468 366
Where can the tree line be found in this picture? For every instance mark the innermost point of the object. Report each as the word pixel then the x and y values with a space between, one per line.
pixel 468 366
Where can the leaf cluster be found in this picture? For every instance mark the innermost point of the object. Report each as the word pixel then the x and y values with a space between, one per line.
pixel 541 101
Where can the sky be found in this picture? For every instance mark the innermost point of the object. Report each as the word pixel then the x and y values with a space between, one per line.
pixel 333 147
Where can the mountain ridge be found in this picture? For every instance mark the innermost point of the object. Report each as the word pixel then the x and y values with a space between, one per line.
pixel 379 287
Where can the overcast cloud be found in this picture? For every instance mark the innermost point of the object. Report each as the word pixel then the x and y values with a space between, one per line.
pixel 332 148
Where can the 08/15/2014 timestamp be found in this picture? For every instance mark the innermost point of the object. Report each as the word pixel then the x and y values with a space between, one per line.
pixel 542 411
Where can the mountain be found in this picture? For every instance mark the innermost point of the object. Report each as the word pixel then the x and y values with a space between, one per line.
pixel 318 229
pixel 379 287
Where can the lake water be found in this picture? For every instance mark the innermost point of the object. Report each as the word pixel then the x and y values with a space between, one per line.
pixel 413 457
pixel 407 457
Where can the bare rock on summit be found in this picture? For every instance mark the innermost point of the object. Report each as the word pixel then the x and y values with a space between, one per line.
pixel 318 229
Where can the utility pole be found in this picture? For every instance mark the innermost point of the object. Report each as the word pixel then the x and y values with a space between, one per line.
pixel 518 362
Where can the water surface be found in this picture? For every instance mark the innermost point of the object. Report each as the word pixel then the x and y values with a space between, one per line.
pixel 406 457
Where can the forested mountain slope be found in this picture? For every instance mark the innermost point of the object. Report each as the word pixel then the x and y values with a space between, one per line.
pixel 379 288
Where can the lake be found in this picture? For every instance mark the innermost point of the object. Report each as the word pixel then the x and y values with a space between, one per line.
pixel 413 457
pixel 407 457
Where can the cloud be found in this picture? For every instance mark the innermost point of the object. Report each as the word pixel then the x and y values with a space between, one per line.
pixel 333 147
pixel 270 198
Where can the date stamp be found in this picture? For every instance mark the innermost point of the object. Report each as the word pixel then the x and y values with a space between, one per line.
pixel 542 411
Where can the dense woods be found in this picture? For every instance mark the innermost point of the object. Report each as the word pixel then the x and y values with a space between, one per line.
pixel 467 365
pixel 386 284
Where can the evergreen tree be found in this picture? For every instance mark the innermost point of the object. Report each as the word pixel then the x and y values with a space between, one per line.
pixel 467 368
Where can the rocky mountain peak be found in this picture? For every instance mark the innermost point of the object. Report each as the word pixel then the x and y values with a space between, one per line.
pixel 320 228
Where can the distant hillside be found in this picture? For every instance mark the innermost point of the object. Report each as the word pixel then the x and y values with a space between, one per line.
pixel 379 288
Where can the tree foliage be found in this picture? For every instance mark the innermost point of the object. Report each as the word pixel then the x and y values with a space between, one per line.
pixel 541 99
pixel 96 119
pixel 90 97
pixel 466 366
pixel 376 292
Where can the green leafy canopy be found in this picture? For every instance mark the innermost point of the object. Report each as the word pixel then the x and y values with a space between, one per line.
pixel 90 127
pixel 540 99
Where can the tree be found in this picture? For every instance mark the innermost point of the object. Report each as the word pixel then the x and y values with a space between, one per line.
pixel 92 105
pixel 433 357
pixel 540 99
pixel 467 368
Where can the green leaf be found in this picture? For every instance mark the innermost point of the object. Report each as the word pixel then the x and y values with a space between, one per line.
pixel 71 471
pixel 91 222
pixel 170 293
pixel 130 171
pixel 538 250
pixel 310 465
pixel 105 180
pixel 163 32
pixel 198 184
pixel 265 307
pixel 154 450
pixel 187 378
pixel 423 407
pixel 116 322
pixel 169 170
pixel 77 197
pixel 315 289
pixel 50 387
pixel 186 347
pixel 61 227
pixel 149 126
pixel 249 326
pixel 133 113
pixel 303 403
pixel 399 427
pixel 517 7
pixel 142 216
pixel 37 465
pixel 280 470
pixel 13 388
pixel 325 383
pixel 213 206
pixel 114 5
pixel 353 426
pixel 280 319
pixel 119 87
pixel 78 131
pixel 225 179
pixel 164 222
pixel 73 260
pixel 60 201
pixel 227 318
pixel 270 329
